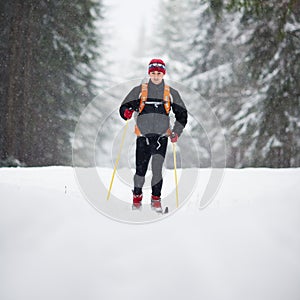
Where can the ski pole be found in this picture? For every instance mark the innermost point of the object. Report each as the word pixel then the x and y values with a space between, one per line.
pixel 117 160
pixel 175 173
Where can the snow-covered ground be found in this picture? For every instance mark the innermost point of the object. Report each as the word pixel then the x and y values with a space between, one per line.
pixel 244 246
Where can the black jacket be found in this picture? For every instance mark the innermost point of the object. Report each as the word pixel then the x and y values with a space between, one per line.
pixel 153 120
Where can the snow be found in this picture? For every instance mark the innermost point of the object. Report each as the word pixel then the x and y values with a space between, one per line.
pixel 207 80
pixel 244 245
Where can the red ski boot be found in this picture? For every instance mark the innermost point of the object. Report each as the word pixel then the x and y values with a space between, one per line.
pixel 156 203
pixel 137 201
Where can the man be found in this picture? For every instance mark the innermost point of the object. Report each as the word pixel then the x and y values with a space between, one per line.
pixel 153 102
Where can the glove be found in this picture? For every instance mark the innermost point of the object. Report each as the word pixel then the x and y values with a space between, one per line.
pixel 174 137
pixel 128 113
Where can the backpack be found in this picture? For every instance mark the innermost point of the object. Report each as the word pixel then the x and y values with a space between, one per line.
pixel 143 100
pixel 166 98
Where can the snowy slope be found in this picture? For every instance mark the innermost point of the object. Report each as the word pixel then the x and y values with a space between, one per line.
pixel 244 246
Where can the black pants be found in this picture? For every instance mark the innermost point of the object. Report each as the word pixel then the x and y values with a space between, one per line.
pixel 146 148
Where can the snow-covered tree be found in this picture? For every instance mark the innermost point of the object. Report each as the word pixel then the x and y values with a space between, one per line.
pixel 246 64
pixel 215 68
pixel 171 37
pixel 49 50
pixel 268 122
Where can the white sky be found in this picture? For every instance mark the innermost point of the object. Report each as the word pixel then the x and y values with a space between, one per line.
pixel 125 19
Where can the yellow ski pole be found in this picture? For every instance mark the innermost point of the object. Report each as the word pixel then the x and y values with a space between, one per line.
pixel 175 173
pixel 117 160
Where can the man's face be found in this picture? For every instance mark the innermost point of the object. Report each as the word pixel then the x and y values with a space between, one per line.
pixel 156 77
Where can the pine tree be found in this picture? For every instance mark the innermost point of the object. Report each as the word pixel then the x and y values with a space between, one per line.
pixel 268 124
pixel 255 94
pixel 49 68
pixel 171 37
pixel 216 73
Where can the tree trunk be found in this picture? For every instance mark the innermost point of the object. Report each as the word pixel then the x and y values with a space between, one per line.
pixel 15 75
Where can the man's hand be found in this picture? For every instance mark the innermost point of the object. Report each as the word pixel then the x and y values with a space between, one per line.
pixel 174 137
pixel 128 113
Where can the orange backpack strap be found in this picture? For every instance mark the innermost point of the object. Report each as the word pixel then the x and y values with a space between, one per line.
pixel 137 130
pixel 143 99
pixel 167 99
pixel 144 95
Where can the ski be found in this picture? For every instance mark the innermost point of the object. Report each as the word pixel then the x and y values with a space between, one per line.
pixel 137 207
pixel 161 210
pixel 157 210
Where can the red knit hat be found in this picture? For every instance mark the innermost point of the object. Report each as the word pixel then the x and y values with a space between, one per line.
pixel 156 65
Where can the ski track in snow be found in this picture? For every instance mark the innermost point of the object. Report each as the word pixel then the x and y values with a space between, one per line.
pixel 244 246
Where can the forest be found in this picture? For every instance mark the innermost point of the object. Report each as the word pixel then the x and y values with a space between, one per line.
pixel 241 56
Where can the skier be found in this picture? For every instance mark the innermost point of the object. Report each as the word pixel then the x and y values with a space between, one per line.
pixel 153 101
